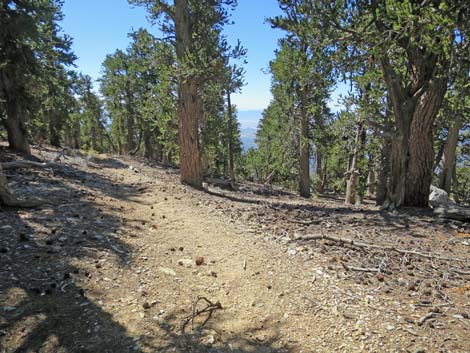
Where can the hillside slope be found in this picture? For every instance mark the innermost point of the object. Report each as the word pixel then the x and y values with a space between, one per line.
pixel 121 254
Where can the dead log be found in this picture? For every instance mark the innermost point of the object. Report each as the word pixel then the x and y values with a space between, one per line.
pixel 24 164
pixel 453 212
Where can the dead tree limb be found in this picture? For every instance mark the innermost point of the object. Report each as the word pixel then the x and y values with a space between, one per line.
pixel 208 309
pixel 380 247
pixel 453 212
pixel 24 164
pixel 359 269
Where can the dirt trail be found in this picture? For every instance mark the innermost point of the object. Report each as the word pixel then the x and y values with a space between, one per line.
pixel 111 268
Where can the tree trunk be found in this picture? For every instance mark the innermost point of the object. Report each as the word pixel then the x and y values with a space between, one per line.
pixel 77 142
pixel 16 127
pixel 94 135
pixel 415 106
pixel 231 163
pixel 130 123
pixel 304 153
pixel 320 177
pixel 421 161
pixel 445 179
pixel 384 166
pixel 148 148
pixel 455 184
pixel 68 138
pixel 55 126
pixel 189 103
pixel 353 173
pixel 371 181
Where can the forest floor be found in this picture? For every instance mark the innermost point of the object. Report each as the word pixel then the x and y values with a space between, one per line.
pixel 110 266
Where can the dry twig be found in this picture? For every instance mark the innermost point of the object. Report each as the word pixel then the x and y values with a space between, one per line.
pixel 209 309
pixel 359 269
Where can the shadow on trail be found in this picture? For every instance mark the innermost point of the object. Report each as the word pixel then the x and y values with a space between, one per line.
pixel 49 260
pixel 206 339
pixel 44 305
pixel 333 208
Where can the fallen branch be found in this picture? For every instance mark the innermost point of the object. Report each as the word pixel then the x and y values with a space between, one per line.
pixel 426 317
pixel 359 269
pixel 305 223
pixel 24 164
pixel 453 212
pixel 460 272
pixel 374 246
pixel 209 309
pixel 61 154
pixel 115 248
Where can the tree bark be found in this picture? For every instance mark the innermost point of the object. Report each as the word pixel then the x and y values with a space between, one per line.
pixel 445 179
pixel 421 152
pixel 371 181
pixel 130 122
pixel 304 153
pixel 415 108
pixel 320 187
pixel 353 173
pixel 16 127
pixel 384 166
pixel 55 126
pixel 189 103
pixel 231 164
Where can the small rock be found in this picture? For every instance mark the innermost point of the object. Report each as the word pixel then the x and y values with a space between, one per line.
pixel 146 305
pixel 8 309
pixel 23 237
pixel 291 252
pixel 167 271
pixel 210 340
pixel 186 262
pixel 199 260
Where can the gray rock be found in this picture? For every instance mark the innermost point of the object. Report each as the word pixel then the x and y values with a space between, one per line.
pixel 438 197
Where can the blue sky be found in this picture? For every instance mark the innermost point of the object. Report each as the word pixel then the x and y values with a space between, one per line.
pixel 99 27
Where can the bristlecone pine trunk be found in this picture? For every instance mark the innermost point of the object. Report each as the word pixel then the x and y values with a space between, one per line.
pixel 304 155
pixel 415 108
pixel 189 103
pixel 231 163
pixel 16 127
pixel 448 159
pixel 55 126
pixel 353 173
